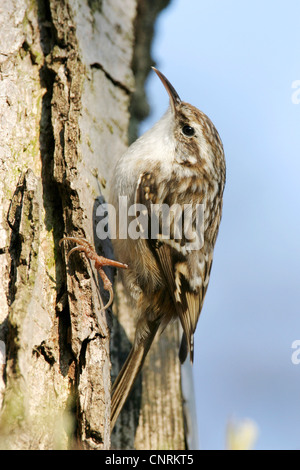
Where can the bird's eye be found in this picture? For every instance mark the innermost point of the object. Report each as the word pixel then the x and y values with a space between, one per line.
pixel 188 131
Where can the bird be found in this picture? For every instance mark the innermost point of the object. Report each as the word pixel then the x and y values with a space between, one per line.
pixel 179 163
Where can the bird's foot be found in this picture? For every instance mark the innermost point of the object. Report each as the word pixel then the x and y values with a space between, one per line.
pixel 83 245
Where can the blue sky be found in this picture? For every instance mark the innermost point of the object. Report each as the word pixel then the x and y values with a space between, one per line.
pixel 237 61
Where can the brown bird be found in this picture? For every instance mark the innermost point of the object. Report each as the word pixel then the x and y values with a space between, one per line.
pixel 179 163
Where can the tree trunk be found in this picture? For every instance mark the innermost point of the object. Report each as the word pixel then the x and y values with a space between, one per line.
pixel 66 86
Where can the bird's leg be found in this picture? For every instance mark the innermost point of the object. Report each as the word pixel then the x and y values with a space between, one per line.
pixel 83 245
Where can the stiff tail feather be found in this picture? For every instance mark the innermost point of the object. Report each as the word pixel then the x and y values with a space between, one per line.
pixel 129 372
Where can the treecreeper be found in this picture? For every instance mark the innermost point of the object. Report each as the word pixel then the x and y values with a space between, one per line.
pixel 172 180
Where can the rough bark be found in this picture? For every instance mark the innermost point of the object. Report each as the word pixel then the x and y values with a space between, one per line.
pixel 66 87
pixel 64 119
pixel 144 28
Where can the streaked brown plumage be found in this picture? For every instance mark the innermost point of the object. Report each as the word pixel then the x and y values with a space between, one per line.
pixel 179 161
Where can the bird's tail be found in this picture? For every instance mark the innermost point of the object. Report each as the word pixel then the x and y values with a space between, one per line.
pixel 129 372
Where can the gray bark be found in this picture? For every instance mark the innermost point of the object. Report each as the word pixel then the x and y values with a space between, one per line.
pixel 64 119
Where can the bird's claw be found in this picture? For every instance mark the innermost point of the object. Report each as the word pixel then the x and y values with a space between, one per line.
pixel 84 246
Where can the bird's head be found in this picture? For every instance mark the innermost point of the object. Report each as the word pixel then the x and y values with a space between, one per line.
pixel 197 140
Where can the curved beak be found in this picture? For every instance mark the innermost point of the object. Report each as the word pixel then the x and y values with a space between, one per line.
pixel 174 97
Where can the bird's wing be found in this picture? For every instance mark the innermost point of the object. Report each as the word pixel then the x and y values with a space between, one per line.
pixel 175 264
